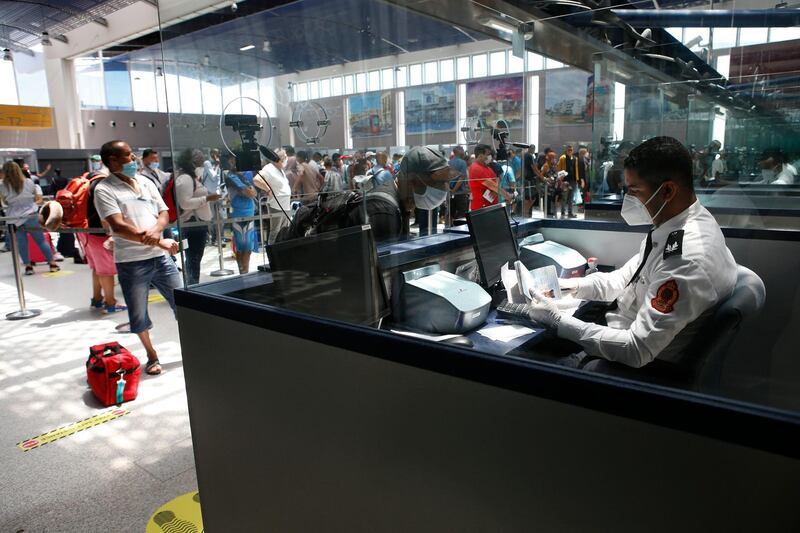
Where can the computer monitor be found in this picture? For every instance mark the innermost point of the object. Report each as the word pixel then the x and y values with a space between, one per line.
pixel 493 241
pixel 332 275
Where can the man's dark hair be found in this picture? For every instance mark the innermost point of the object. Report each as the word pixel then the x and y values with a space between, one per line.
pixel 548 150
pixel 108 149
pixel 336 156
pixel 660 159
pixel 148 152
pixel 317 156
pixel 303 154
pixel 184 162
pixel 481 149
pixel 289 149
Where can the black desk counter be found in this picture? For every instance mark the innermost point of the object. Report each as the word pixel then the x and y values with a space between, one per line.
pixel 313 379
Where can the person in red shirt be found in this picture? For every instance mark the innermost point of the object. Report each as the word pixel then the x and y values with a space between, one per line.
pixel 483 182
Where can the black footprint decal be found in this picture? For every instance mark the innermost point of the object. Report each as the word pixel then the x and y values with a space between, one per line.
pixel 169 523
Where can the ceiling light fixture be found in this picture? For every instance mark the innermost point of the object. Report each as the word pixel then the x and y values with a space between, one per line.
pixel 247 47
pixel 159 71
pixel 7 55
pixel 266 47
pixel 491 22
pixel 206 60
pixel 46 39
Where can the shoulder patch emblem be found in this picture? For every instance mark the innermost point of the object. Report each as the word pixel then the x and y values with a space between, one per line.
pixel 666 296
pixel 674 244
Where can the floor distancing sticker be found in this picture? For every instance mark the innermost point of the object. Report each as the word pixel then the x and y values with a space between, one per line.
pixel 57 274
pixel 155 299
pixel 71 429
pixel 181 515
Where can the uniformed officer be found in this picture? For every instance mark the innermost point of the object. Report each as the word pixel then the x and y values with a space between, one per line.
pixel 663 294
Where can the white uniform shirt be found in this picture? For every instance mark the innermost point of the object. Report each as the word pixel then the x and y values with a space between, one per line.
pixel 688 271
pixel 141 209
pixel 281 190
pixel 718 166
pixel 157 176
pixel 786 176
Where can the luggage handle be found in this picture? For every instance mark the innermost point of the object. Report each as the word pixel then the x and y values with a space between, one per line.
pixel 114 347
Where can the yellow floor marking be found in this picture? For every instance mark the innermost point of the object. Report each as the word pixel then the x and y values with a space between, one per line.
pixel 180 514
pixel 57 274
pixel 71 429
pixel 155 299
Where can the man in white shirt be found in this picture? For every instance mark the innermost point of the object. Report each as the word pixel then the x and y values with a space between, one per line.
pixel 133 208
pixel 151 169
pixel 273 181
pixel 664 294
pixel 775 169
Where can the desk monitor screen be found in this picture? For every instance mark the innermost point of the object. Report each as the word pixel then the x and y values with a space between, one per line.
pixel 331 275
pixel 493 241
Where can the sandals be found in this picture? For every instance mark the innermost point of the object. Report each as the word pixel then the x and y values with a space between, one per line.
pixel 96 304
pixel 55 268
pixel 153 368
pixel 29 271
pixel 116 307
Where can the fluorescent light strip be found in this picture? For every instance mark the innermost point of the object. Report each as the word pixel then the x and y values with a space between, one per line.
pixel 247 47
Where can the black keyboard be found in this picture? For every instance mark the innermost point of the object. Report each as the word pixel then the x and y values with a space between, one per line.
pixel 517 312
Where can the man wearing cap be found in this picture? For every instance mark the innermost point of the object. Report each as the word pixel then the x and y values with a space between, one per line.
pixel 96 165
pixel 422 183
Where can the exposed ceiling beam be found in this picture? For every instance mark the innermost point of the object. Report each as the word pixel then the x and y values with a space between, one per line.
pixel 153 3
pixel 59 37
pixel 14 46
pixel 69 11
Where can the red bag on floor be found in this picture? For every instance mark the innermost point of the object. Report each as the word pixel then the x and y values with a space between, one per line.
pixel 34 253
pixel 113 373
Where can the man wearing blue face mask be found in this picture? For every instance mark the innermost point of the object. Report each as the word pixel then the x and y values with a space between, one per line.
pixel 151 169
pixel 661 297
pixel 132 207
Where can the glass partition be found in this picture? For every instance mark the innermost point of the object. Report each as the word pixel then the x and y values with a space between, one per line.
pixel 339 101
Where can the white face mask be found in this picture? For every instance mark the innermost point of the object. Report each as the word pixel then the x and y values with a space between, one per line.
pixel 635 213
pixel 488 160
pixel 432 198
pixel 96 165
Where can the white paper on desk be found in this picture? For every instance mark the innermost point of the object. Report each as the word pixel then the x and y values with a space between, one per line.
pixel 505 333
pixel 427 336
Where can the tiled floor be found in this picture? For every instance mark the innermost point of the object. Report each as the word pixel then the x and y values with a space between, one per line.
pixel 109 478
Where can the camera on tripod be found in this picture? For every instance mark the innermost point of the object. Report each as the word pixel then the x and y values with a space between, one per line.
pixel 246 126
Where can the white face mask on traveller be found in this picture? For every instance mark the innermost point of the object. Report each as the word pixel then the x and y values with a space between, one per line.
pixel 635 213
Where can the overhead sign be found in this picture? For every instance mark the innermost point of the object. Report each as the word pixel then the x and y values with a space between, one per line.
pixel 24 117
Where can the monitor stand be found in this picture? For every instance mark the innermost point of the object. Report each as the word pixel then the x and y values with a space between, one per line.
pixel 498 294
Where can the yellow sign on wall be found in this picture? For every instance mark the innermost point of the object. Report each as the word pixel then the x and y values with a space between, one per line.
pixel 25 117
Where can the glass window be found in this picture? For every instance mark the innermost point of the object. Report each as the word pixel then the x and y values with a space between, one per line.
pixel 191 96
pixel 515 64
pixel 302 91
pixel 752 36
pixel 692 37
pixel 462 68
pixel 212 97
pixel 324 88
pixel 415 74
pixel 31 78
pixel 161 91
pixel 446 70
pixel 387 78
pixel 783 34
pixel 250 90
pixel 349 84
pixel 313 90
pixel 676 32
pixel 535 61
pixel 231 95
pixel 118 85
pixel 361 82
pixel 431 72
pixel 89 78
pixel 374 80
pixel 401 74
pixel 8 89
pixel 336 86
pixel 479 66
pixel 497 63
pixel 143 87
pixel 552 63
pixel 723 38
pixel 173 91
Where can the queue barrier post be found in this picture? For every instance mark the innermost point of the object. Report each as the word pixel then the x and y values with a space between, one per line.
pixel 23 312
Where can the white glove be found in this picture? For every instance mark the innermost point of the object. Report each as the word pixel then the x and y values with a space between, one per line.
pixel 544 310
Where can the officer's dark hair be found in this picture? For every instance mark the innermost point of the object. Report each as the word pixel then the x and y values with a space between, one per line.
pixel 302 154
pixel 108 149
pixel 147 152
pixel 660 159
pixel 481 149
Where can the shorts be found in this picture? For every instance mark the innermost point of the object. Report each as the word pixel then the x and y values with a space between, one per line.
pixel 100 260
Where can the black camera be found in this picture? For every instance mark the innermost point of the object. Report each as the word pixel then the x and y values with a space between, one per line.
pixel 246 126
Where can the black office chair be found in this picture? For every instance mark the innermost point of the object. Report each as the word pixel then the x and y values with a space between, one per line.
pixel 706 354
pixel 704 357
